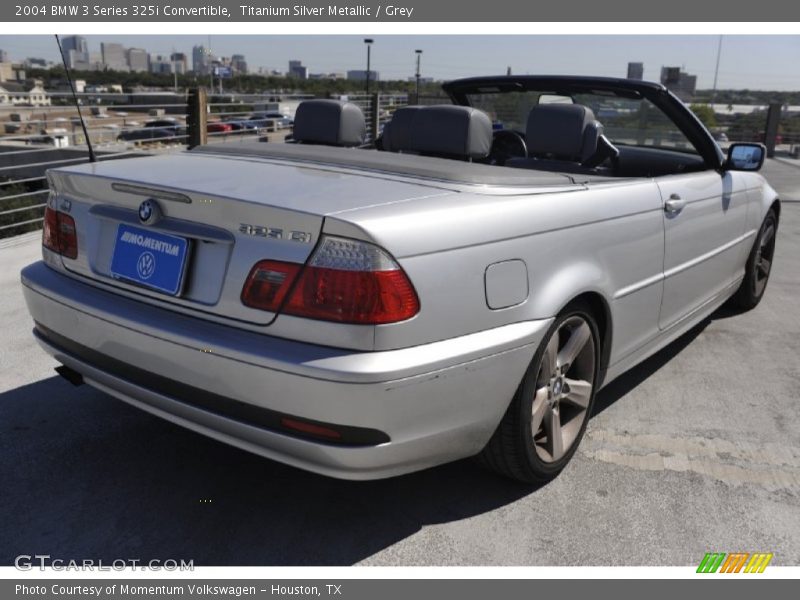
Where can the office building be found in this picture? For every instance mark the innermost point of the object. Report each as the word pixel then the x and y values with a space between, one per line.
pixel 180 62
pixel 76 51
pixel 201 60
pixel 113 56
pixel 296 69
pixel 679 83
pixel 239 64
pixel 138 60
pixel 635 70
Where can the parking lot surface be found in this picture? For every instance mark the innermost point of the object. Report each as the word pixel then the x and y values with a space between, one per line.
pixel 697 450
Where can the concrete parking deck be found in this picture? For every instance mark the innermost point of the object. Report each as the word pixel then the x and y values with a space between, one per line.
pixel 695 451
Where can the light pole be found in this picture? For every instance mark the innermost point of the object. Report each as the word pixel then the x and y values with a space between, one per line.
pixel 716 71
pixel 174 72
pixel 368 42
pixel 419 57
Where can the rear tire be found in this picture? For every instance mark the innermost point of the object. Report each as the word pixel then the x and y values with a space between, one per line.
pixel 758 266
pixel 547 417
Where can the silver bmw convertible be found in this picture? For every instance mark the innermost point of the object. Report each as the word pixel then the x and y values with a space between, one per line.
pixel 462 286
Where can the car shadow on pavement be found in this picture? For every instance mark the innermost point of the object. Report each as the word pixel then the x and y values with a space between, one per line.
pixel 86 476
pixel 627 382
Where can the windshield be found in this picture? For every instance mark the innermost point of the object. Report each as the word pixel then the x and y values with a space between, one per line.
pixel 626 121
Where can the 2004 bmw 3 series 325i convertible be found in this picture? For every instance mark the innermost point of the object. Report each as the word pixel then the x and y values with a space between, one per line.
pixel 461 287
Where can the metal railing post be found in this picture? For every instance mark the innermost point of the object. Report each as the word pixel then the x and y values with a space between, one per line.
pixel 375 113
pixel 197 117
pixel 771 128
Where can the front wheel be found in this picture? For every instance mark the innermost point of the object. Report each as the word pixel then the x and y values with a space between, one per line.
pixel 758 266
pixel 547 417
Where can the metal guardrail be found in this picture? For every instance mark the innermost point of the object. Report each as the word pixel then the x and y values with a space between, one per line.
pixel 36 138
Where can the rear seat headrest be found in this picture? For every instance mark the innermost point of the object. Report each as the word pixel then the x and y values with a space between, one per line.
pixel 440 130
pixel 562 131
pixel 330 122
pixel 397 131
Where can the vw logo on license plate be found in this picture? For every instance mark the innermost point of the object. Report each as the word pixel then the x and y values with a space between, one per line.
pixel 146 265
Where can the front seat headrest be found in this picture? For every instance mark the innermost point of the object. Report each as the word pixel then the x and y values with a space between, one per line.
pixel 562 132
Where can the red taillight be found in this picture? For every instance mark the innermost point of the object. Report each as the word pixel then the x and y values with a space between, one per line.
pixel 347 281
pixel 59 234
pixel 367 297
pixel 268 283
pixel 67 236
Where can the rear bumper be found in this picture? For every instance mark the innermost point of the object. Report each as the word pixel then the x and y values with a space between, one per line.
pixel 402 410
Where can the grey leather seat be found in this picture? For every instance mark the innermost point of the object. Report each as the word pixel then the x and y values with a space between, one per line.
pixel 446 131
pixel 564 137
pixel 330 123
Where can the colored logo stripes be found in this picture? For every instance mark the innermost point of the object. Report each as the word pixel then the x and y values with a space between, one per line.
pixel 735 562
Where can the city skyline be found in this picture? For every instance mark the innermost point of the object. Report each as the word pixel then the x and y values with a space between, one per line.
pixel 759 62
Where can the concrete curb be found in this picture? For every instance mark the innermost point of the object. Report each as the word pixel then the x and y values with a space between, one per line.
pixel 20 239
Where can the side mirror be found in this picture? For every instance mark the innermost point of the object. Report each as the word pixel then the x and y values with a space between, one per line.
pixel 745 157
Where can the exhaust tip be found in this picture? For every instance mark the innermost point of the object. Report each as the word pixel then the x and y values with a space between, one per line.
pixel 70 375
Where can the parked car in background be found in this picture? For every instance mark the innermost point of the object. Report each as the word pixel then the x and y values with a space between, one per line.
pixel 219 127
pixel 364 313
pixel 281 120
pixel 156 130
pixel 242 124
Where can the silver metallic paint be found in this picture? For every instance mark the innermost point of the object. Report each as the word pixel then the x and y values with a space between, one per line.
pixel 437 383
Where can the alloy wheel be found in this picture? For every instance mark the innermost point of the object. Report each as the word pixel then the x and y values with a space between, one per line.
pixel 763 259
pixel 563 391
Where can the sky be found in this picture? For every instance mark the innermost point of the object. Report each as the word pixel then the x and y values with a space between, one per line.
pixel 757 62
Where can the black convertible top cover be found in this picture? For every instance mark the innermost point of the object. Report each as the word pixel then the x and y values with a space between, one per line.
pixel 410 165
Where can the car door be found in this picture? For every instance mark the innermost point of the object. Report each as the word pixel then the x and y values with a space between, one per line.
pixel 704 221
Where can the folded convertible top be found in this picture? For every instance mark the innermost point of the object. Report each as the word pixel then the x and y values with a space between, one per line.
pixel 426 167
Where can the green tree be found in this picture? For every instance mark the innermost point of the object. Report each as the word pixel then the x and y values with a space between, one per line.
pixel 706 114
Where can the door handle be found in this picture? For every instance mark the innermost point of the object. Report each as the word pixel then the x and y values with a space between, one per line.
pixel 674 205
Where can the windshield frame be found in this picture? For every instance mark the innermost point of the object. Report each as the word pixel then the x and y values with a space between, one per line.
pixel 673 108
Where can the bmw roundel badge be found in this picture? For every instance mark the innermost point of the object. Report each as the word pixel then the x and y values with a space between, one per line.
pixel 149 212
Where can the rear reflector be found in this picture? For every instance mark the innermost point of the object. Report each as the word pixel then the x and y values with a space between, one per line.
pixel 347 281
pixel 50 230
pixel 59 234
pixel 311 429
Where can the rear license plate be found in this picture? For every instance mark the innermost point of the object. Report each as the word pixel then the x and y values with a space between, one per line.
pixel 154 260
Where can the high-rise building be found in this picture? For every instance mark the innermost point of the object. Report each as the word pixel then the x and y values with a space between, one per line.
pixel 296 69
pixel 635 70
pixel 679 83
pixel 180 62
pixel 160 64
pixel 76 51
pixel 75 42
pixel 113 56
pixel 201 60
pixel 4 56
pixel 239 64
pixel 138 60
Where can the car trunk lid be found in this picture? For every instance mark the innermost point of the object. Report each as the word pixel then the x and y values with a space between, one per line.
pixel 231 213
